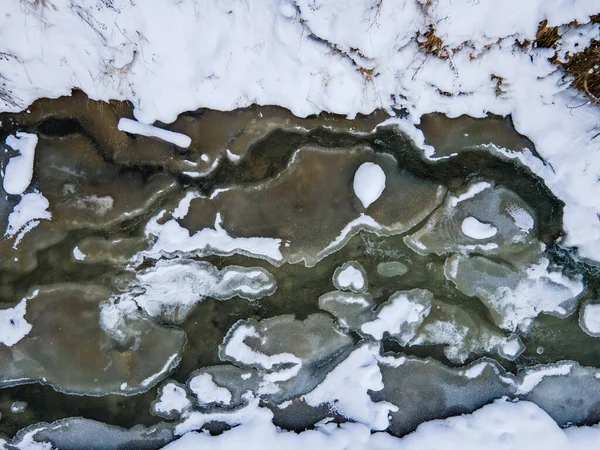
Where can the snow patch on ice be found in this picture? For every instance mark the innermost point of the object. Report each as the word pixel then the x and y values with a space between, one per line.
pixel 475 229
pixel 32 208
pixel 369 183
pixel 522 218
pixel 533 377
pixel 172 399
pixel 589 318
pixel 237 349
pixel 134 127
pixel 207 391
pixel 351 276
pixel 400 311
pixel 78 254
pixel 346 388
pixel 19 170
pixel 13 326
pixel 471 192
pixel 172 238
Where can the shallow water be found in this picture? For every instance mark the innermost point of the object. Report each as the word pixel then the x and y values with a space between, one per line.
pixel 288 179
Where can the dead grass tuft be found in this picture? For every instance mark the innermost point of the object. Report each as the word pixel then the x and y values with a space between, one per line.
pixel 546 36
pixel 431 44
pixel 367 73
pixel 499 80
pixel 584 67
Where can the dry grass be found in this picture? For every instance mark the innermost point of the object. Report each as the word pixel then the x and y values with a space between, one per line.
pixel 367 73
pixel 584 67
pixel 431 44
pixel 499 80
pixel 40 4
pixel 546 36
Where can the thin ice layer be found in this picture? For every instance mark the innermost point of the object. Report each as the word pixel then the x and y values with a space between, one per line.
pixel 83 359
pixel 292 356
pixel 171 289
pixel 485 219
pixel 514 297
pixel 304 214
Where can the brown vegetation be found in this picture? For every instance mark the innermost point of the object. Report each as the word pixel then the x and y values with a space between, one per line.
pixel 431 44
pixel 584 67
pixel 546 36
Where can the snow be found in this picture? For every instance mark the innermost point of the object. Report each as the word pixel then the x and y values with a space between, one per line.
pixel 543 289
pixel 129 53
pixel 500 425
pixel 32 208
pixel 172 398
pixel 369 183
pixel 589 318
pixel 475 229
pixel 522 218
pixel 173 238
pixel 207 391
pixel 471 192
pixel 149 53
pixel 19 169
pixel 400 311
pixel 13 326
pixel 184 205
pixel 533 377
pixel 133 127
pixel 512 347
pixel 350 276
pixel 78 254
pixel 346 388
pixel 237 349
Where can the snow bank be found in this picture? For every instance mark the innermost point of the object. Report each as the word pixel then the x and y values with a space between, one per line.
pixel 501 425
pixel 19 169
pixel 133 127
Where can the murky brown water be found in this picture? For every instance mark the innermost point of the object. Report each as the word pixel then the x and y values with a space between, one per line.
pixel 286 178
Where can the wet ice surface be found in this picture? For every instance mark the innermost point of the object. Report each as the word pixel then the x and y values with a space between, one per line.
pixel 309 267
